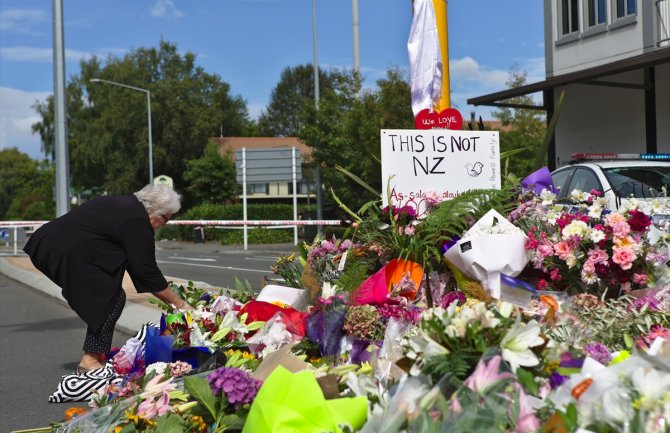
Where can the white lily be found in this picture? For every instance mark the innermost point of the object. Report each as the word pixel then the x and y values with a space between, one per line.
pixel 328 290
pixel 651 383
pixel 517 343
pixel 505 309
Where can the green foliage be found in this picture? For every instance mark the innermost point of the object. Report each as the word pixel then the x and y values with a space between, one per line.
pixel 527 130
pixel 449 218
pixel 290 269
pixel 108 137
pixel 291 97
pixel 358 268
pixel 200 390
pixel 617 324
pixel 212 178
pixel 344 131
pixel 171 422
pixel 257 235
pixel 25 187
pixel 453 217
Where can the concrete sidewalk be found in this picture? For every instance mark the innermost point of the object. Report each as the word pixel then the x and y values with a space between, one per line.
pixel 138 310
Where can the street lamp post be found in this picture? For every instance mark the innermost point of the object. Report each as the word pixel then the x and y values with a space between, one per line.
pixel 151 162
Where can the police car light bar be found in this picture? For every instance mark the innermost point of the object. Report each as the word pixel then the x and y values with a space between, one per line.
pixel 608 156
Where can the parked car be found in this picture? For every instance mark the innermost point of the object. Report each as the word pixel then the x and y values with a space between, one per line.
pixel 616 176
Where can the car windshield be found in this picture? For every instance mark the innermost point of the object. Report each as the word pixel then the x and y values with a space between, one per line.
pixel 640 182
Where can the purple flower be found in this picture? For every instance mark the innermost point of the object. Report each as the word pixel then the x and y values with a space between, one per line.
pixel 407 313
pixel 568 361
pixel 649 300
pixel 556 379
pixel 599 352
pixel 239 387
pixel 456 296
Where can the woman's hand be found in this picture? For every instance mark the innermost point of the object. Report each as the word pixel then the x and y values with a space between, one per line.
pixel 168 296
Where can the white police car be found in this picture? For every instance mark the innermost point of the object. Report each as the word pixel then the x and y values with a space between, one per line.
pixel 618 176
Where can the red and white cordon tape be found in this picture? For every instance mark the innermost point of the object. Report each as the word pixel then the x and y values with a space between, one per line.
pixel 257 222
pixel 207 223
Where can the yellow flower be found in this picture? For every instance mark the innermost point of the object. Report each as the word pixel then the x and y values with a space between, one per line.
pixel 198 424
pixel 244 355
pixel 471 302
pixel 550 366
pixel 624 242
pixel 139 420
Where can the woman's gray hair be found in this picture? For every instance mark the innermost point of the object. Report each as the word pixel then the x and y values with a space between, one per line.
pixel 160 199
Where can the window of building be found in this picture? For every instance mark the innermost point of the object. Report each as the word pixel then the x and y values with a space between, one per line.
pixel 302 187
pixel 625 8
pixel 595 12
pixel 569 17
pixel 257 188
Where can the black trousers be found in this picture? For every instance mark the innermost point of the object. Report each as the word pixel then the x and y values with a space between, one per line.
pixel 101 341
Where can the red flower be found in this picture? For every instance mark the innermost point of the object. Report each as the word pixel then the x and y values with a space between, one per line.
pixel 638 221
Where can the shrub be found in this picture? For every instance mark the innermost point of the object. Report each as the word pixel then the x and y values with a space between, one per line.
pixel 257 235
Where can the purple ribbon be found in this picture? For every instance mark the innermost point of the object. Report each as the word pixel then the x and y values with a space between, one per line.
pixel 450 243
pixel 538 180
pixel 515 282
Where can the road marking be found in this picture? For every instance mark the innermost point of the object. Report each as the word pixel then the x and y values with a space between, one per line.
pixel 216 267
pixel 195 259
pixel 261 259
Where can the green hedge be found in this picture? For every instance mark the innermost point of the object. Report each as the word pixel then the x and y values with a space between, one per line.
pixel 256 235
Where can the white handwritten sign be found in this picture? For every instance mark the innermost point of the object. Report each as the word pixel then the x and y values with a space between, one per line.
pixel 437 161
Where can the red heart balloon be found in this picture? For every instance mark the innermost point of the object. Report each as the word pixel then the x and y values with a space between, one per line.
pixel 449 118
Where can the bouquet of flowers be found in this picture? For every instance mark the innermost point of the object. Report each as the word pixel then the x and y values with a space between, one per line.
pixel 491 247
pixel 583 248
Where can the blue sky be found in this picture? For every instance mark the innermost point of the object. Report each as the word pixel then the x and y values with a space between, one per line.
pixel 249 42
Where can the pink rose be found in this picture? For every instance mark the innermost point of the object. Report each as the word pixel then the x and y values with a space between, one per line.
pixel 589 266
pixel 545 250
pixel 613 218
pixel 598 255
pixel 620 229
pixel 640 279
pixel 624 257
pixel 562 250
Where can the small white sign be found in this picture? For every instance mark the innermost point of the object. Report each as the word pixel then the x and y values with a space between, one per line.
pixel 164 181
pixel 437 161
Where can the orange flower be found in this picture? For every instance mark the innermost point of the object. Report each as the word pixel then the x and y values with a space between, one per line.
pixel 74 412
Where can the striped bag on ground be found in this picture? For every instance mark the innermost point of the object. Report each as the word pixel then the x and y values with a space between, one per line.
pixel 80 387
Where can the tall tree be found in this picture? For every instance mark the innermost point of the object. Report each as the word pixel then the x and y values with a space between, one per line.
pixel 293 94
pixel 345 131
pixel 107 124
pixel 212 178
pixel 527 127
pixel 25 187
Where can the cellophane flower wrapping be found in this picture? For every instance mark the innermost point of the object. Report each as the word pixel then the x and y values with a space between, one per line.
pixel 492 246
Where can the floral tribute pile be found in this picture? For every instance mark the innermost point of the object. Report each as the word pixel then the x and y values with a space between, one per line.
pixel 533 317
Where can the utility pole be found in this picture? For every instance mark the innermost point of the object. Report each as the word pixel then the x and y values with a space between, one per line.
pixel 62 186
pixel 354 16
pixel 319 189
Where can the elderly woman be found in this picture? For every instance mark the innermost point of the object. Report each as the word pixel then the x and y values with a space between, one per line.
pixel 87 251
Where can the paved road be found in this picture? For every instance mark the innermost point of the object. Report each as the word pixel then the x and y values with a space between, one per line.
pixel 40 340
pixel 219 265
